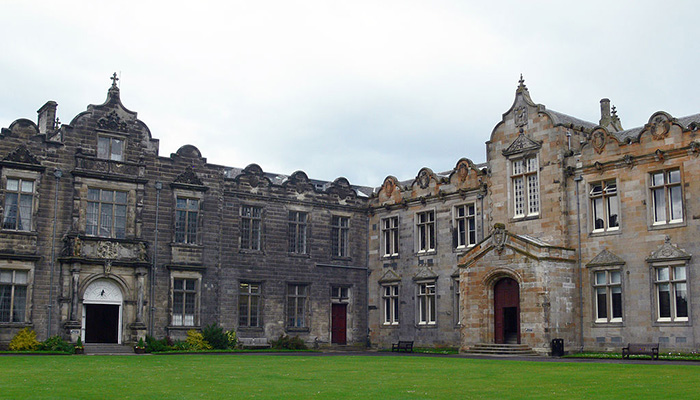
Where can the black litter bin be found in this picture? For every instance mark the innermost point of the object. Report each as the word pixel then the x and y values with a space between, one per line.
pixel 557 347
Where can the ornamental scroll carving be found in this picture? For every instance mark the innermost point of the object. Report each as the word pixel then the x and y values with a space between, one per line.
pixel 112 122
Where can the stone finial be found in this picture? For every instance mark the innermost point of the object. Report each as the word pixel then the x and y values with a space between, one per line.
pixel 114 80
pixel 521 84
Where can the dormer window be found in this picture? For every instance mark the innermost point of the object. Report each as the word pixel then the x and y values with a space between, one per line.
pixel 110 148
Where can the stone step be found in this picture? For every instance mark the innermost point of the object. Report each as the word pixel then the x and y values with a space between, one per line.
pixel 501 349
pixel 108 349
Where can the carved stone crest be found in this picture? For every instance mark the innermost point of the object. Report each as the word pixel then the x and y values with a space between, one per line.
pixel 520 116
pixel 109 250
pixel 189 177
pixel 499 237
pixel 521 144
pixel 660 127
pixel 667 252
pixel 388 186
pixel 112 122
pixel 598 141
pixel 423 178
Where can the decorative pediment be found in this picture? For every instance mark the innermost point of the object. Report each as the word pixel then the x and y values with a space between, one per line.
pixel 254 176
pixel 300 182
pixel 22 155
pixel 389 276
pixel 521 144
pixel 598 140
pixel 189 177
pixel 605 259
pixel 389 185
pixel 668 252
pixel 425 175
pixel 342 188
pixel 112 122
pixel 425 273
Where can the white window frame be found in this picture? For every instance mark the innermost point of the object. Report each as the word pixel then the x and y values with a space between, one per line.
pixel 464 230
pixel 604 199
pixel 676 280
pixel 389 227
pixel 661 187
pixel 181 318
pixel 525 186
pixel 425 231
pixel 427 302
pixel 390 304
pixel 607 282
pixel 109 152
pixel 456 293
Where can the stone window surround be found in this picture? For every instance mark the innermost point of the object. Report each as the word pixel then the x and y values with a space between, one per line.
pixel 591 220
pixel 526 196
pixel 112 156
pixel 260 220
pixel 306 306
pixel 91 183
pixel 389 233
pixel 673 320
pixel 393 299
pixel 249 294
pixel 417 225
pixel 307 232
pixel 455 225
pixel 650 200
pixel 35 176
pixel 430 299
pixel 609 321
pixel 193 195
pixel 29 269
pixel 341 232
pixel 198 288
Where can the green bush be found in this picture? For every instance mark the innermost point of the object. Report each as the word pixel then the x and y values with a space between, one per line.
pixel 24 340
pixel 155 345
pixel 56 343
pixel 195 341
pixel 232 339
pixel 180 345
pixel 288 343
pixel 215 336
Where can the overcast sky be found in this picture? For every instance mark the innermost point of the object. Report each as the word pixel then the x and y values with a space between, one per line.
pixel 361 89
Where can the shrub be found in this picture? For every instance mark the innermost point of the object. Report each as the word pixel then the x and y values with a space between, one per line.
pixel 289 343
pixel 195 341
pixel 232 339
pixel 24 340
pixel 56 343
pixel 180 345
pixel 155 345
pixel 215 336
pixel 79 343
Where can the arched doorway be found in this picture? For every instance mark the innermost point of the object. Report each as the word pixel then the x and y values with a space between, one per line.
pixel 102 312
pixel 506 308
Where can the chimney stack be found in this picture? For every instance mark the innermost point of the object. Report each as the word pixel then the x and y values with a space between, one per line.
pixel 47 117
pixel 605 118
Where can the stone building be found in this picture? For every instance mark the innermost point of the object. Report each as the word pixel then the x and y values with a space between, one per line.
pixel 104 238
pixel 571 230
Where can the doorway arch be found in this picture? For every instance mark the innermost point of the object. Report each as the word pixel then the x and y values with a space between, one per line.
pixel 102 312
pixel 506 310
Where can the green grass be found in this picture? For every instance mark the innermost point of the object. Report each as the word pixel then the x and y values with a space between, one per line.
pixel 334 377
pixel 662 356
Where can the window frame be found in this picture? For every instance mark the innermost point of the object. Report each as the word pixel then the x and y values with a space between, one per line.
pixel 297 320
pixel 20 194
pixel 110 154
pixel 456 298
pixel 298 232
pixel 196 293
pixel 391 304
pixel 605 196
pixel 184 233
pixel 13 284
pixel 389 236
pixel 672 281
pixel 468 231
pixel 526 197
pixel 425 232
pixel 100 203
pixel 249 295
pixel 340 236
pixel 608 286
pixel 426 314
pixel 667 187
pixel 248 237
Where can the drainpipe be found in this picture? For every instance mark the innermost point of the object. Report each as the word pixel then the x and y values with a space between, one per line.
pixel 57 173
pixel 152 294
pixel 369 271
pixel 481 199
pixel 580 270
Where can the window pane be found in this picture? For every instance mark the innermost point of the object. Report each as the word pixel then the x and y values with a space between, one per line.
pixel 681 300
pixel 13 184
pixel 613 220
pixel 662 274
pixel 21 277
pixel 616 294
pixel 102 147
pixel 676 203
pixel 5 301
pixel 117 149
pixel 19 304
pixel 657 179
pixel 27 186
pixel 674 176
pixel 664 301
pixel 598 215
pixel 601 300
pixel 679 273
pixel 107 195
pixel 600 278
pixel 11 211
pixel 614 276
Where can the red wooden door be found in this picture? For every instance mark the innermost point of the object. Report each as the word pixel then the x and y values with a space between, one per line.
pixel 339 323
pixel 506 309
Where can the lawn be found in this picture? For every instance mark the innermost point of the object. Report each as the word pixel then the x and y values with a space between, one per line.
pixel 334 377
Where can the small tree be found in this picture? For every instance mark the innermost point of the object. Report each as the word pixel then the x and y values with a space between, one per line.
pixel 215 336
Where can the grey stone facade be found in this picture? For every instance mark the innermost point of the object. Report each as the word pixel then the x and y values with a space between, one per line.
pixel 571 229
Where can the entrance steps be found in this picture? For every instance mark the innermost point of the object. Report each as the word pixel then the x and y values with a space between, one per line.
pixel 492 349
pixel 108 349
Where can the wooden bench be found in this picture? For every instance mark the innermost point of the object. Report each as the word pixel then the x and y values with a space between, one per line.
pixel 253 343
pixel 403 345
pixel 649 349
